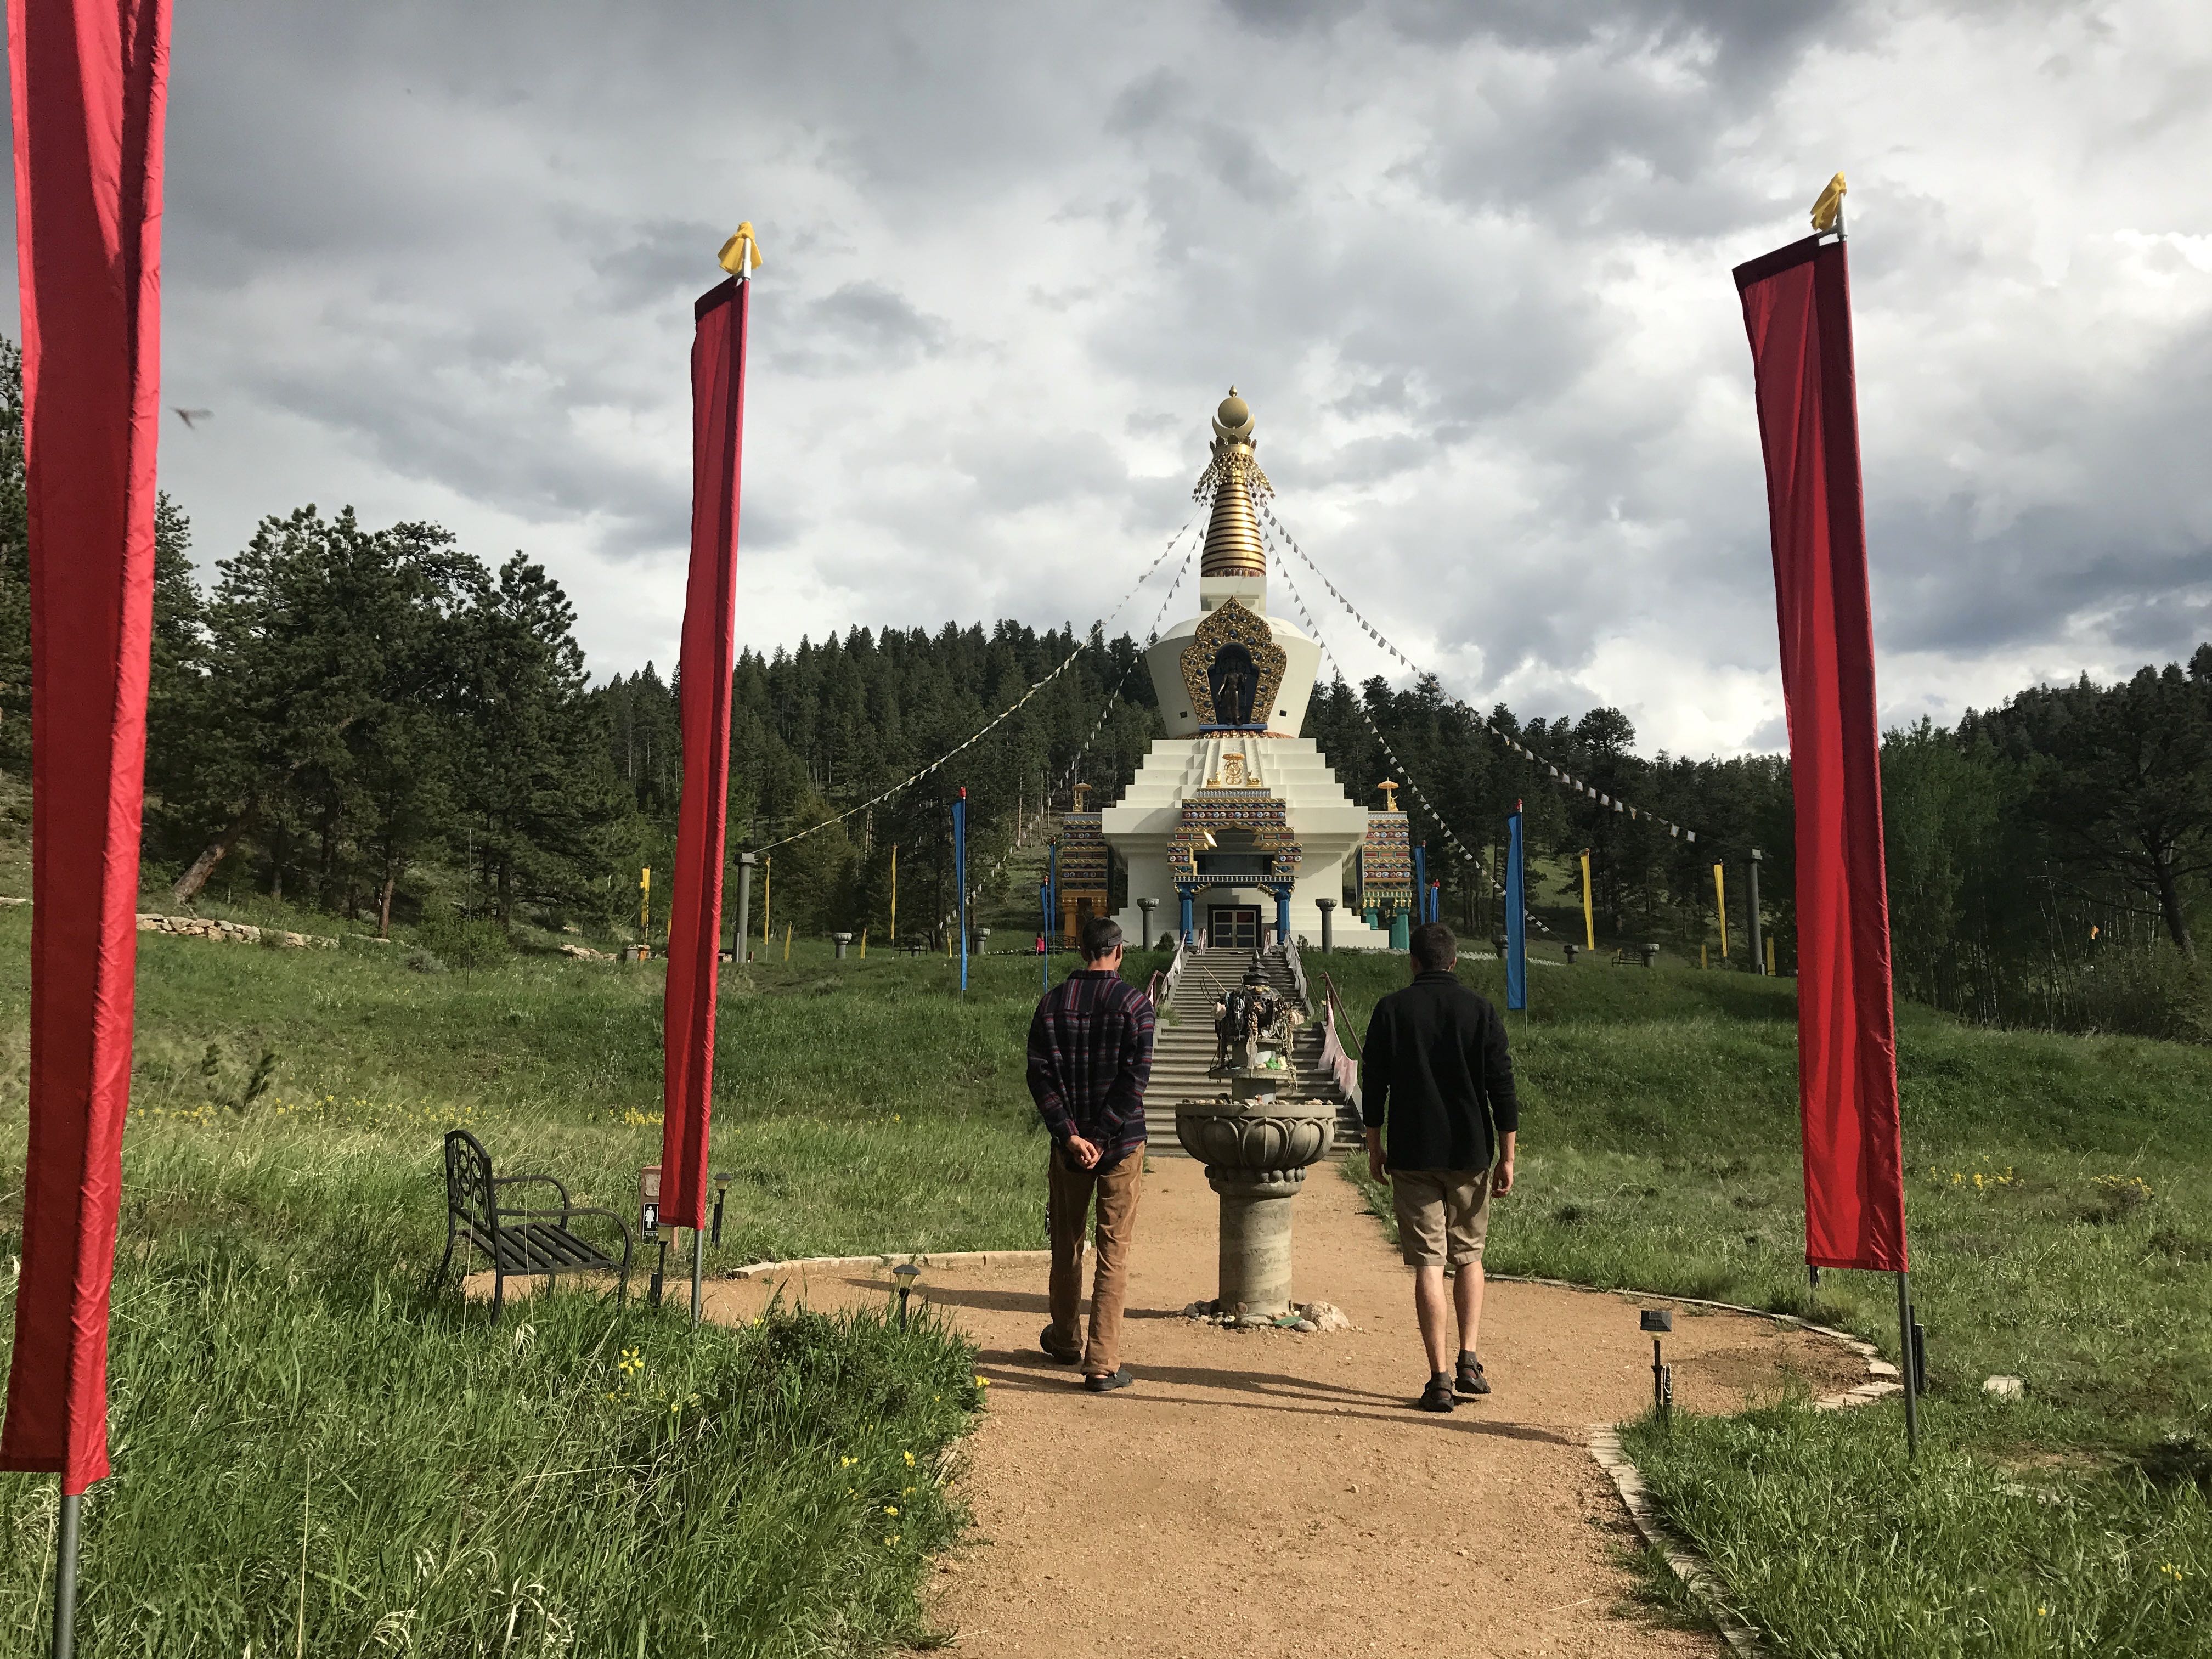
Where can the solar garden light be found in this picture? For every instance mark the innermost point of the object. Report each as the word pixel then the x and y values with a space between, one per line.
pixel 721 1191
pixel 1656 1320
pixel 842 940
pixel 648 1226
pixel 1572 950
pixel 1650 955
pixel 906 1273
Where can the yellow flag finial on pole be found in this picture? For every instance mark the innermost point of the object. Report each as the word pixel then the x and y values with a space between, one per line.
pixel 1828 211
pixel 740 255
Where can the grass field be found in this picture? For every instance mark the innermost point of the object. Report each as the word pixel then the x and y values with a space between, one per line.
pixel 279 1374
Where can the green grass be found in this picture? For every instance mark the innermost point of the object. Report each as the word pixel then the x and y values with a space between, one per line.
pixel 2059 1201
pixel 269 1323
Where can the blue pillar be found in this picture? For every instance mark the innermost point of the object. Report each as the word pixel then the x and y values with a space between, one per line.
pixel 1183 896
pixel 1402 930
pixel 1420 884
pixel 960 879
pixel 1283 914
pixel 1517 914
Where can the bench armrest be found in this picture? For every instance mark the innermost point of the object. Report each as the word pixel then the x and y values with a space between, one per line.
pixel 516 1181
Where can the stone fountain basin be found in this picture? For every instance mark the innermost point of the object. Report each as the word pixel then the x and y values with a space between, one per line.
pixel 1258 1137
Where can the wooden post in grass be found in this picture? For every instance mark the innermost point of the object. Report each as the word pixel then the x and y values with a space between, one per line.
pixel 1589 916
pixel 1720 906
pixel 1757 955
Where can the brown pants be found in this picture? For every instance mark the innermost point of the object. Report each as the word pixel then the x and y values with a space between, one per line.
pixel 1072 1190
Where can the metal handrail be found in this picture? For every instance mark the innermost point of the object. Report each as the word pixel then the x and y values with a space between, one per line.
pixel 1174 971
pixel 1347 1074
pixel 1298 971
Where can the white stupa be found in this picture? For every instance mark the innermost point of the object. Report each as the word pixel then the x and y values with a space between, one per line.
pixel 1234 825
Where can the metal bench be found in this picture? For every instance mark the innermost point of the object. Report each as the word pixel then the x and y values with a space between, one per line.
pixel 519 1243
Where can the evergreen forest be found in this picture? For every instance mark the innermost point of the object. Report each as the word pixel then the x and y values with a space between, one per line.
pixel 380 725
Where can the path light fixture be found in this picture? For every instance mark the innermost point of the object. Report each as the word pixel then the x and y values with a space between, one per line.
pixel 1650 955
pixel 842 941
pixel 1656 1320
pixel 906 1273
pixel 721 1191
pixel 1572 950
pixel 648 1227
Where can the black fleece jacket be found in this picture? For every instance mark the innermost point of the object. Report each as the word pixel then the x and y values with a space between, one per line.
pixel 1436 1067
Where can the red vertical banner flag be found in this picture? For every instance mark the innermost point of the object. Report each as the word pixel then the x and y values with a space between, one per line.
pixel 1796 307
pixel 707 660
pixel 89 79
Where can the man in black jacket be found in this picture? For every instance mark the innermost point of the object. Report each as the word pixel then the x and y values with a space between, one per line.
pixel 1435 1068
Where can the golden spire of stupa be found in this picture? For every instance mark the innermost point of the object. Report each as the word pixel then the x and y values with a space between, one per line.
pixel 1233 479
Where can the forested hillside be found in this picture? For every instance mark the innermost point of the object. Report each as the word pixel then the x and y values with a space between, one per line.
pixel 381 724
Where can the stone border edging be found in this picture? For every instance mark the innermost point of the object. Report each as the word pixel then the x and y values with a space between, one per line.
pixel 1605 1451
pixel 920 1258
pixel 1628 1480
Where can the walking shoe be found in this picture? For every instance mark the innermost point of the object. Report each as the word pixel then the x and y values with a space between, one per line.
pixel 1052 1351
pixel 1120 1379
pixel 1437 1396
pixel 1471 1381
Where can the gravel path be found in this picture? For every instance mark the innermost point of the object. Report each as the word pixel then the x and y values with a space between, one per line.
pixel 1263 1493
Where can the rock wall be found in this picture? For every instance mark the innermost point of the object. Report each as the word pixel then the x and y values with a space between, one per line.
pixel 238 932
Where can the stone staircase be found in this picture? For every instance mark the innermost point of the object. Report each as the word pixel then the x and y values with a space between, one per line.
pixel 1183 1052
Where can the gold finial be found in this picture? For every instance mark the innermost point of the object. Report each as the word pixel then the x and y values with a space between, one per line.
pixel 1828 211
pixel 1233 482
pixel 1082 795
pixel 740 255
pixel 1389 795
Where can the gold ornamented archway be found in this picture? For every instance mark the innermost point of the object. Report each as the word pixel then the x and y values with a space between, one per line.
pixel 1229 623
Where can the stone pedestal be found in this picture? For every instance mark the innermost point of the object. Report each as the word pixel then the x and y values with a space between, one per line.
pixel 1256 1145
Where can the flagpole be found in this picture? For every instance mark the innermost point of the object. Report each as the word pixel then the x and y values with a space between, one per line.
pixel 698 1256
pixel 66 1576
pixel 1910 1368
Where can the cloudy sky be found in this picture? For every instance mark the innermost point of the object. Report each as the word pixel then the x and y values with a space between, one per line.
pixel 1469 262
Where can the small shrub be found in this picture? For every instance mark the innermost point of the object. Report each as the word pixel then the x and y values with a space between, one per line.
pixel 422 961
pixel 465 943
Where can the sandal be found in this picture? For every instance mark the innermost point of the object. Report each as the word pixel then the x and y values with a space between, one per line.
pixel 1437 1396
pixel 1471 1381
pixel 1053 1351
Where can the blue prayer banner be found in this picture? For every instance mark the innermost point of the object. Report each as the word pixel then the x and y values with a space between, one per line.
pixel 1516 925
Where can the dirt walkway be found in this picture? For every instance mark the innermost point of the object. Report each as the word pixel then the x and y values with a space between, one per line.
pixel 1265 1493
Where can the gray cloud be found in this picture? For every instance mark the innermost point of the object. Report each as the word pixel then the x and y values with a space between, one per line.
pixel 1468 260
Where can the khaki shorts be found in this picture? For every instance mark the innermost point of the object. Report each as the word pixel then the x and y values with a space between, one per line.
pixel 1444 1215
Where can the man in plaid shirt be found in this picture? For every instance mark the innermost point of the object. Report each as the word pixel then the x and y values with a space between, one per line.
pixel 1091 1053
